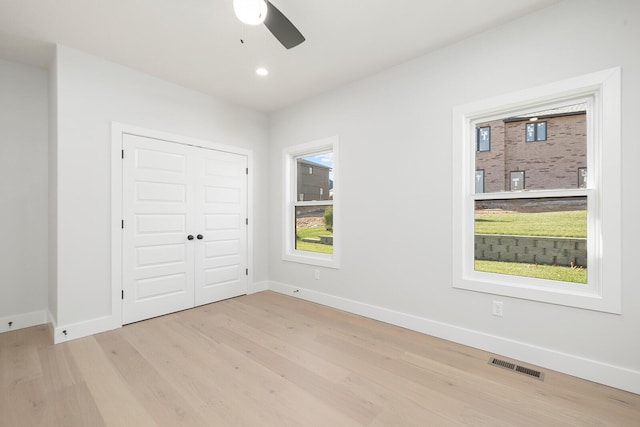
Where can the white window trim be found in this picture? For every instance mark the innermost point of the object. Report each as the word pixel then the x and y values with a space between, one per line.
pixel 604 196
pixel 289 253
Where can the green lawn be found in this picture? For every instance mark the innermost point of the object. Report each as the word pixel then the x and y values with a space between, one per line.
pixel 313 232
pixel 551 272
pixel 560 224
pixel 552 224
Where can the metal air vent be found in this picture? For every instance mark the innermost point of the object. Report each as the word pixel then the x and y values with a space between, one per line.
pixel 516 368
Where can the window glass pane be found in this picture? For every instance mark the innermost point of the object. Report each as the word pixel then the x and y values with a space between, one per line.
pixel 549 165
pixel 543 238
pixel 479 182
pixel 517 181
pixel 541 131
pixel 484 138
pixel 314 228
pixel 582 177
pixel 314 177
pixel 531 132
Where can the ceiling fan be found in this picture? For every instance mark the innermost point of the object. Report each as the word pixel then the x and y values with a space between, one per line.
pixel 256 12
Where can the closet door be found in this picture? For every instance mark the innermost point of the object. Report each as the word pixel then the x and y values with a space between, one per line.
pixel 158 204
pixel 185 232
pixel 221 215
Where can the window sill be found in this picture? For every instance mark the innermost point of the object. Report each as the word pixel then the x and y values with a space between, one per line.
pixel 541 290
pixel 310 258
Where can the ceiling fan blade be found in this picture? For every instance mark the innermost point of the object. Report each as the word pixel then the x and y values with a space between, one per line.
pixel 282 28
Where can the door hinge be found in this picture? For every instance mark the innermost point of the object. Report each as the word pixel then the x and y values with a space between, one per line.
pixel 246 271
pixel 246 221
pixel 247 171
pixel 122 224
pixel 123 154
pixel 122 295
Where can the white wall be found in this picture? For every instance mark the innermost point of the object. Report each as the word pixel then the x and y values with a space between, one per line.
pixel 395 146
pixel 91 93
pixel 23 188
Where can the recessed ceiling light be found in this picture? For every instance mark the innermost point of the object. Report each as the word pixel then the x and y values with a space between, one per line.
pixel 261 71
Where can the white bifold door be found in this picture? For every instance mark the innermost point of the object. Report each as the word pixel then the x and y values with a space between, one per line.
pixel 184 227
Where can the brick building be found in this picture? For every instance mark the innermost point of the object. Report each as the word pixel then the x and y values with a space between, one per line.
pixel 543 150
pixel 314 181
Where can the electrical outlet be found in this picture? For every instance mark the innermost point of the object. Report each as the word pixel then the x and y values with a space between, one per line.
pixel 316 274
pixel 498 308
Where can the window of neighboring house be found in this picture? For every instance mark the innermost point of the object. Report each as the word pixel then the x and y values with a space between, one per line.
pixel 483 138
pixel 536 131
pixel 311 219
pixel 547 241
pixel 582 177
pixel 480 181
pixel 516 183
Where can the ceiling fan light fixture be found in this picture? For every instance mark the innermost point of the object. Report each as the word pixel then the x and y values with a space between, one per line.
pixel 250 12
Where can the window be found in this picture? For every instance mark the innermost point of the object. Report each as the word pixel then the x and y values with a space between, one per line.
pixel 517 181
pixel 480 181
pixel 484 138
pixel 509 237
pixel 311 212
pixel 536 131
pixel 582 177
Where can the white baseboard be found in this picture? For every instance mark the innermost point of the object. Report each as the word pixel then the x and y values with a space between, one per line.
pixel 51 321
pixel 23 320
pixel 62 333
pixel 592 370
pixel 254 287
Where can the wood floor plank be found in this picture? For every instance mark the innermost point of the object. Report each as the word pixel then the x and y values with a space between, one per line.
pixel 372 365
pixel 72 406
pixel 288 351
pixel 19 360
pixel 378 395
pixel 159 398
pixel 108 389
pixel 58 367
pixel 282 391
pixel 622 409
pixel 24 404
pixel 318 386
pixel 272 360
pixel 243 393
pixel 188 366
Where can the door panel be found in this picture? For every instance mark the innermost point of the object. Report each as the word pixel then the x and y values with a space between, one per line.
pixel 158 276
pixel 221 257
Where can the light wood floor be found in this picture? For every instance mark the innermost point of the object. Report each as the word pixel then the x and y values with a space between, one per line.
pixel 272 360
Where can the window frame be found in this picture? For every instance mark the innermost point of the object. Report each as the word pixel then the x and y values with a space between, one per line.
pixel 603 291
pixel 290 156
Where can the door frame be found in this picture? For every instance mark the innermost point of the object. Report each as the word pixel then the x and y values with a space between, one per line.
pixel 117 131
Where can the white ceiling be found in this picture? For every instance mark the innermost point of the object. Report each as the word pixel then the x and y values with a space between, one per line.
pixel 196 43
